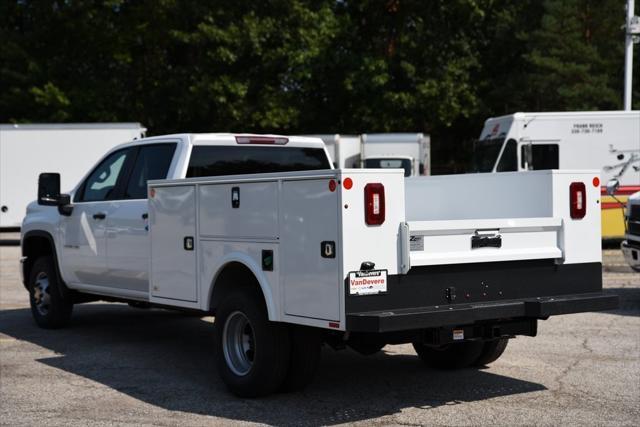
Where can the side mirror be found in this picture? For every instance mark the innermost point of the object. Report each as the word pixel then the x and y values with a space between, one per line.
pixel 612 186
pixel 48 189
pixel 49 193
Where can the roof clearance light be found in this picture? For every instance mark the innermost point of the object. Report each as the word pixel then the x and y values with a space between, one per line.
pixel 265 140
pixel 577 200
pixel 374 204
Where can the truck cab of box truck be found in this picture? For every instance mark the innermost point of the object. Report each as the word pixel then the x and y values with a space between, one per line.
pixel 608 141
pixel 408 151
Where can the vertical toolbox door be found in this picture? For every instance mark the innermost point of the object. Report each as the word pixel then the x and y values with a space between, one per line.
pixel 172 222
pixel 310 279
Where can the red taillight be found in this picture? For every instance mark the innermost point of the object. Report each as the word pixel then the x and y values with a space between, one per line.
pixel 374 204
pixel 578 200
pixel 261 140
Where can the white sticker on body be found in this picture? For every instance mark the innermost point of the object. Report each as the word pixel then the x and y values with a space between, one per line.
pixel 367 282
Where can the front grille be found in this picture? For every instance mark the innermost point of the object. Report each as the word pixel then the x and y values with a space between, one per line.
pixel 635 213
pixel 633 227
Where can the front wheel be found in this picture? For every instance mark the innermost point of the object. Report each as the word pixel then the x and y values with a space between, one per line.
pixel 50 307
pixel 252 353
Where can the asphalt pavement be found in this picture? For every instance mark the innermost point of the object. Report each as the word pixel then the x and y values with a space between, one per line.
pixel 116 365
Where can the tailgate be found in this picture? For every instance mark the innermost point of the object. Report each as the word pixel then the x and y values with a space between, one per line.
pixel 483 240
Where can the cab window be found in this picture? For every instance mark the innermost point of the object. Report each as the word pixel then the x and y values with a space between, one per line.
pixel 543 156
pixel 509 159
pixel 152 162
pixel 101 183
pixel 215 160
pixel 383 163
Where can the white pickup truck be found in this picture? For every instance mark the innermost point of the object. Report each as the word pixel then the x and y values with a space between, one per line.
pixel 288 253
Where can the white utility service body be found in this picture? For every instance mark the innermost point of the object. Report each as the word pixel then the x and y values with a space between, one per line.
pixel 607 141
pixel 408 151
pixel 456 265
pixel 28 149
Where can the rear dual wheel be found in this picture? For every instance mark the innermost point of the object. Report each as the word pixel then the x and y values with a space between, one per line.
pixel 256 357
pixel 462 354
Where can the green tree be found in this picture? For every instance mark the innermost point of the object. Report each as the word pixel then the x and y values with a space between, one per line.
pixel 577 56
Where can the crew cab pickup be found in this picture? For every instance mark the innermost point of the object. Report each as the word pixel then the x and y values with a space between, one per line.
pixel 288 253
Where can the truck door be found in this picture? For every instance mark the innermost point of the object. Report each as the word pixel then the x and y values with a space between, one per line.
pixel 83 234
pixel 127 226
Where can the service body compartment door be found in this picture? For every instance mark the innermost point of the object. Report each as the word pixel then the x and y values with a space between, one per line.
pixel 244 210
pixel 309 272
pixel 172 222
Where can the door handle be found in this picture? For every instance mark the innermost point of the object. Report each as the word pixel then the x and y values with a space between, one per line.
pixel 99 215
pixel 145 215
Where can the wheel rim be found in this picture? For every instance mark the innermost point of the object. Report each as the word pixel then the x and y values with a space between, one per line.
pixel 41 295
pixel 238 343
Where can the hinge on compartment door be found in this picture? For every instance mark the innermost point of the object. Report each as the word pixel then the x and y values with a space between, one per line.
pixel 404 248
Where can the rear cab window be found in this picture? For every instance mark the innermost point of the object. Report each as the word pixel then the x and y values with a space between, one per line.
pixel 385 163
pixel 219 160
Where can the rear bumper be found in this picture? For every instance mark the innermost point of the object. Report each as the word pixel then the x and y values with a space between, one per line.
pixel 445 315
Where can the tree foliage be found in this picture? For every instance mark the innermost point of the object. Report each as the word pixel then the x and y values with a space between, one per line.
pixel 294 66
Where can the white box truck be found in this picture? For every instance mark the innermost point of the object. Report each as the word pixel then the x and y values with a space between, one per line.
pixel 72 148
pixel 288 253
pixel 408 151
pixel 343 150
pixel 608 141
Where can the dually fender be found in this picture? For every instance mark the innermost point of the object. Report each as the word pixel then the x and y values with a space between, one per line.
pixel 250 263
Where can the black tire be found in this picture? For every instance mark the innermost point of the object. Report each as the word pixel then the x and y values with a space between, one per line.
pixel 306 343
pixel 451 356
pixel 51 307
pixel 366 348
pixel 491 351
pixel 259 368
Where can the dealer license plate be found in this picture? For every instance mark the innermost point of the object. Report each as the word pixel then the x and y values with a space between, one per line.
pixel 367 282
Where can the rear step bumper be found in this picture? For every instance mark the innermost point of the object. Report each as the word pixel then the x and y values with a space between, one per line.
pixel 458 314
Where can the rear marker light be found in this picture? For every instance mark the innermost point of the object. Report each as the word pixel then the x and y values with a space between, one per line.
pixel 332 185
pixel 374 204
pixel 348 183
pixel 577 200
pixel 596 182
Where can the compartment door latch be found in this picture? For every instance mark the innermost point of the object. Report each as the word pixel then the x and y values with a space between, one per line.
pixel 486 239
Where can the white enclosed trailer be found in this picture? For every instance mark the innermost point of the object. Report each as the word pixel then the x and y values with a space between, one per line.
pixel 26 150
pixel 408 151
pixel 288 253
pixel 608 141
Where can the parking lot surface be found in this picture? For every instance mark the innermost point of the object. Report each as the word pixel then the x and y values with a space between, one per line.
pixel 117 365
